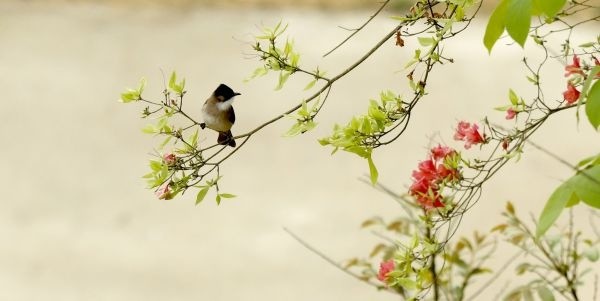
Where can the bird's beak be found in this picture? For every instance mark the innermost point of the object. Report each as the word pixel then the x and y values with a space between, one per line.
pixel 236 93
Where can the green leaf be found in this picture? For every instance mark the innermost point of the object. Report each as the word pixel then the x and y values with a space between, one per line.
pixel 496 25
pixel 592 106
pixel 218 199
pixel 283 77
pixel 172 80
pixel 201 194
pixel 554 206
pixel 372 170
pixel 518 20
pixel 142 86
pixel 545 293
pixel 514 99
pixel 549 7
pixel 227 195
pixel 311 84
pixel 426 41
pixel 150 129
pixel 586 185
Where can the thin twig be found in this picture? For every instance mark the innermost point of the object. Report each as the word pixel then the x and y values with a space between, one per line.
pixel 355 31
pixel 329 260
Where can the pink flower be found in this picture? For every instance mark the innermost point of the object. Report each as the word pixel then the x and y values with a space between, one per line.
pixel 596 63
pixel 574 68
pixel 571 95
pixel 170 159
pixel 510 114
pixel 468 133
pixel 441 152
pixel 384 269
pixel 163 192
pixel 427 178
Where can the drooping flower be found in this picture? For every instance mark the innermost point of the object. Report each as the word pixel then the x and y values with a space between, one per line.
pixel 468 133
pixel 384 269
pixel 572 94
pixel 510 114
pixel 430 201
pixel 163 192
pixel 170 159
pixel 573 68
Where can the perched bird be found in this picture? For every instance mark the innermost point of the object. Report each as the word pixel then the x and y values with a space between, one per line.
pixel 218 114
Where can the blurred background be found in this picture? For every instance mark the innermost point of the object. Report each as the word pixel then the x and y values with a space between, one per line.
pixel 77 222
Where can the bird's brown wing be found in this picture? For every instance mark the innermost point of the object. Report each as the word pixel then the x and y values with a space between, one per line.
pixel 231 115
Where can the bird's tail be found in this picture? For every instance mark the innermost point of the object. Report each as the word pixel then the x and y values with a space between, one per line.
pixel 226 138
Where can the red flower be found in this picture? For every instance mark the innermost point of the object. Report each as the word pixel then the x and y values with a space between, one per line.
pixel 510 113
pixel 384 269
pixel 426 171
pixel 427 178
pixel 468 133
pixel 169 159
pixel 163 192
pixel 571 95
pixel 574 68
pixel 441 152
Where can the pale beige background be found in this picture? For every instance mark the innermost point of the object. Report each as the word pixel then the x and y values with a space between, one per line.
pixel 78 224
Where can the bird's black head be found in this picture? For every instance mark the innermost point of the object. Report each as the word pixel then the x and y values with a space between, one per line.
pixel 224 93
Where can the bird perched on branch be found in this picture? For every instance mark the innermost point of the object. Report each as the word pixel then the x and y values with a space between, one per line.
pixel 218 114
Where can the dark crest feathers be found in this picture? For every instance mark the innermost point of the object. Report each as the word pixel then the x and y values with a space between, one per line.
pixel 225 91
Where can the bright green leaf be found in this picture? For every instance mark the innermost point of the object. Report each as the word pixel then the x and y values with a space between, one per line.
pixel 554 206
pixel 218 199
pixel 227 195
pixel 311 84
pixel 374 174
pixel 514 99
pixel 426 41
pixel 586 184
pixel 201 194
pixel 496 25
pixel 592 106
pixel 518 20
pixel 172 80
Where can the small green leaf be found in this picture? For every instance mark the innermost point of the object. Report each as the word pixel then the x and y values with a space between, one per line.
pixel 592 106
pixel 142 86
pixel 227 195
pixel 218 199
pixel 518 20
pixel 311 84
pixel 554 206
pixel 372 170
pixel 426 41
pixel 172 80
pixel 201 194
pixel 150 129
pixel 545 293
pixel 283 77
pixel 514 99
pixel 496 25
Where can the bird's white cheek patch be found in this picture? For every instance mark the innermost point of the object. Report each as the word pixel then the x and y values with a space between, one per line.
pixel 223 106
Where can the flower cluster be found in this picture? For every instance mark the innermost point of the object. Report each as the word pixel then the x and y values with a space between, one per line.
pixel 439 168
pixel 384 269
pixel 469 133
pixel 575 72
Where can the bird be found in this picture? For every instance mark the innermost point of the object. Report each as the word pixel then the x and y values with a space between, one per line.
pixel 218 114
